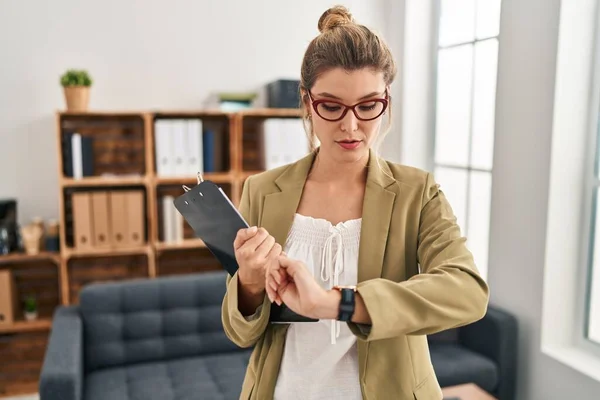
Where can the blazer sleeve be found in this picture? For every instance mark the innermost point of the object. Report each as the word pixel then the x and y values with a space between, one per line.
pixel 242 330
pixel 447 293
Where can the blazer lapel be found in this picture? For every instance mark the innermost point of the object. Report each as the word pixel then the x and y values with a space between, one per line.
pixel 377 213
pixel 280 207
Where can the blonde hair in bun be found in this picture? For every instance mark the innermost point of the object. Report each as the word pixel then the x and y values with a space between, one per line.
pixel 335 16
pixel 345 44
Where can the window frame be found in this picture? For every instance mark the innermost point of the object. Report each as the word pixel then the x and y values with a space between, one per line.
pixel 570 228
pixel 590 206
pixel 469 168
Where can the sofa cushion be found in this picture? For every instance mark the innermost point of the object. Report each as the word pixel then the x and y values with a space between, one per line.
pixel 153 320
pixel 217 377
pixel 455 365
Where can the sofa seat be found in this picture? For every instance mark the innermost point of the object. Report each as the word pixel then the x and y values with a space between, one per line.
pixel 217 377
pixel 455 364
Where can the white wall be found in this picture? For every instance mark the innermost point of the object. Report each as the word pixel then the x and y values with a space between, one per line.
pixel 141 54
pixel 524 116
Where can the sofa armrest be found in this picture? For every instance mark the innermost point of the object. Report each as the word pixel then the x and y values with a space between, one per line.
pixel 495 337
pixel 61 377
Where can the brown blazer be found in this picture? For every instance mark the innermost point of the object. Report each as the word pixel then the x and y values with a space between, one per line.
pixel 416 276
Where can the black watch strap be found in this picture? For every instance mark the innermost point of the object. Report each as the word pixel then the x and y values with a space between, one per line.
pixel 346 304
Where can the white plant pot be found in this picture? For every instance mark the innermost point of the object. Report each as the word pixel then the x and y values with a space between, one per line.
pixel 30 316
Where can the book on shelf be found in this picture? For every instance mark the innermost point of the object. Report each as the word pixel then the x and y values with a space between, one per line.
pixel 78 155
pixel 172 221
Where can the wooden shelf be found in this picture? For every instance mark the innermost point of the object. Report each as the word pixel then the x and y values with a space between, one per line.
pixel 271 112
pixel 24 257
pixel 216 177
pixel 192 113
pixel 185 244
pixel 109 251
pixel 102 113
pixel 104 181
pixel 27 326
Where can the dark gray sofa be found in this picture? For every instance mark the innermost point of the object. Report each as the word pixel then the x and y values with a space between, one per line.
pixel 163 339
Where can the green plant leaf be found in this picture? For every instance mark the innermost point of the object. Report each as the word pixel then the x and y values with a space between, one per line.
pixel 75 77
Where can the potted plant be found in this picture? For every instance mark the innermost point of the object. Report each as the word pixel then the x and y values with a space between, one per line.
pixel 30 308
pixel 76 84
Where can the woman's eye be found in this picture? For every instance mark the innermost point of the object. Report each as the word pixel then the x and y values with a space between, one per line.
pixel 331 107
pixel 367 107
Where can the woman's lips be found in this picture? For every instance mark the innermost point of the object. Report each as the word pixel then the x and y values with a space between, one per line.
pixel 349 144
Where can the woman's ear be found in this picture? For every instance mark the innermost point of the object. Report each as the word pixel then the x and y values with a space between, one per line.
pixel 305 102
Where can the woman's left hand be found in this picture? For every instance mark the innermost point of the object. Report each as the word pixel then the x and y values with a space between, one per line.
pixel 301 293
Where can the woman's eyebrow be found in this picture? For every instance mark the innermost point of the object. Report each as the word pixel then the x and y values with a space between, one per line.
pixel 326 94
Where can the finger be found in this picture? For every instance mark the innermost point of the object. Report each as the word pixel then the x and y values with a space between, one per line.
pixel 272 294
pixel 265 247
pixel 274 286
pixel 292 267
pixel 282 288
pixel 257 239
pixel 243 235
pixel 285 261
pixel 275 252
pixel 274 272
pixel 283 276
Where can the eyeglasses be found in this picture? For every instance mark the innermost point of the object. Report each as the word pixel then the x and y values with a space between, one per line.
pixel 331 110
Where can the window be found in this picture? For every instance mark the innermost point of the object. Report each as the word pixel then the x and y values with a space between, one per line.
pixel 467 53
pixel 592 192
pixel 570 304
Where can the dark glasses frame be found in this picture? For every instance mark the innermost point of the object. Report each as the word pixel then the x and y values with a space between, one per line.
pixel 315 104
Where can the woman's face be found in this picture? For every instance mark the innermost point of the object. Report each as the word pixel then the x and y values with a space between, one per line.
pixel 349 139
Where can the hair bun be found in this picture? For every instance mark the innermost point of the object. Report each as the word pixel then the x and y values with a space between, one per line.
pixel 335 16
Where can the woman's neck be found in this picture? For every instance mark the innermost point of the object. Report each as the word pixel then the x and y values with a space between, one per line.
pixel 327 170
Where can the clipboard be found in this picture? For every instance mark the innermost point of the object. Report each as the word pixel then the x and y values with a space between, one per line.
pixel 215 220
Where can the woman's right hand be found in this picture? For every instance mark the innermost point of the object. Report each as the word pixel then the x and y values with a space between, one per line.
pixel 254 249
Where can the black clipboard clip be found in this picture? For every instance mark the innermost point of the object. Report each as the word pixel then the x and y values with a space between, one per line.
pixel 200 180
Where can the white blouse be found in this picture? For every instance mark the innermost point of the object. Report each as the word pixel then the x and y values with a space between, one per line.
pixel 320 360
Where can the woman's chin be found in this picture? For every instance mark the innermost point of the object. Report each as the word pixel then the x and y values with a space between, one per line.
pixel 340 154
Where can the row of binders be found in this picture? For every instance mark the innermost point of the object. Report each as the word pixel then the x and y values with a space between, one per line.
pixel 284 141
pixel 108 219
pixel 183 147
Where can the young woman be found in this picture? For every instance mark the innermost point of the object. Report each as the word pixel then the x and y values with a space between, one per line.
pixel 370 248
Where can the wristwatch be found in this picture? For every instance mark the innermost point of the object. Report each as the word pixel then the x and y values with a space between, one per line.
pixel 347 303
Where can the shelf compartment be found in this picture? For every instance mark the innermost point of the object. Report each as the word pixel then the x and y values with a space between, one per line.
pixel 174 191
pixel 111 144
pixel 22 356
pixel 84 271
pixel 40 279
pixel 189 261
pixel 216 140
pixel 70 247
pixel 253 138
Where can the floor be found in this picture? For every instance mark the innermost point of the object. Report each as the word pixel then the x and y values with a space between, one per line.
pixel 36 397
